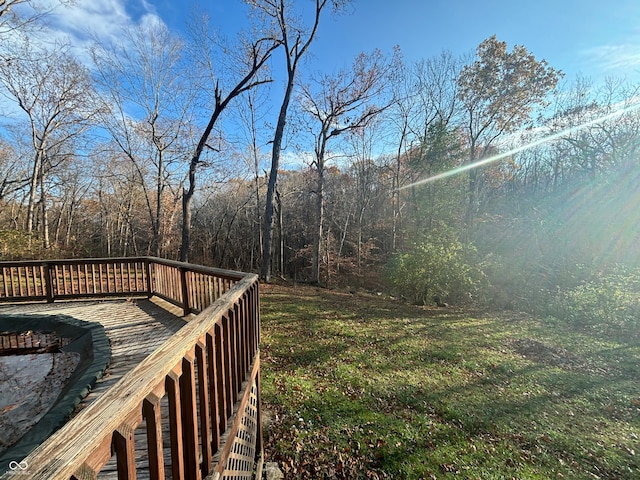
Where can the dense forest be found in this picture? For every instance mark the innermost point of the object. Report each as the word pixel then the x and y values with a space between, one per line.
pixel 486 178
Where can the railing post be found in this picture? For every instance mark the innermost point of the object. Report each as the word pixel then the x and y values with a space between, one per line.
pixel 48 282
pixel 186 309
pixel 147 264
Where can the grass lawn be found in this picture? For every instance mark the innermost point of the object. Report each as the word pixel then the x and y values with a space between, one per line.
pixel 364 387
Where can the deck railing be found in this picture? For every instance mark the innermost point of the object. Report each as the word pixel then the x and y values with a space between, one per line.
pixel 208 374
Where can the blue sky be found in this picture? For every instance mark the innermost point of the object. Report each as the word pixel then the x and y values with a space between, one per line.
pixel 593 38
pixel 587 37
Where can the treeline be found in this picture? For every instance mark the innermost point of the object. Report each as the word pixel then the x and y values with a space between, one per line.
pixel 148 149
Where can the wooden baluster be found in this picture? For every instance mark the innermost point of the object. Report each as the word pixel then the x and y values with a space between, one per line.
pixel 197 290
pixel 85 272
pixel 186 309
pixel 48 282
pixel 4 282
pixel 95 461
pixel 64 279
pixel 123 445
pixel 152 415
pixel 100 279
pixel 237 354
pixel 161 276
pixel 228 375
pixel 255 315
pixel 26 281
pixel 232 353
pixel 192 290
pixel 69 270
pixel 32 275
pixel 246 326
pixel 149 278
pixel 204 401
pixel 11 284
pixel 221 360
pixel 78 278
pixel 135 277
pixel 175 425
pixel 20 286
pixel 246 329
pixel 177 284
pixel 213 385
pixel 38 280
pixel 84 473
pixel 108 268
pixel 190 417
pixel 192 287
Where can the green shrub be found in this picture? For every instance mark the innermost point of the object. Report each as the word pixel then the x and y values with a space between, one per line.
pixel 608 301
pixel 437 265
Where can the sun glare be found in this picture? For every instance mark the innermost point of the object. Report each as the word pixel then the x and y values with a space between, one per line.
pixel 634 105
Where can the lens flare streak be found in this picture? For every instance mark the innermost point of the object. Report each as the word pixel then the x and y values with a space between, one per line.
pixel 635 105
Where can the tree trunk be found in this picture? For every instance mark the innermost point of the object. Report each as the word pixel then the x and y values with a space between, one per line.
pixel 258 219
pixel 267 231
pixel 33 187
pixel 280 235
pixel 45 211
pixel 157 240
pixel 187 195
pixel 319 221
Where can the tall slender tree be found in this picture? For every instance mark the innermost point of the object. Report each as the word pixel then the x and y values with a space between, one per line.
pixel 245 72
pixel 142 81
pixel 295 39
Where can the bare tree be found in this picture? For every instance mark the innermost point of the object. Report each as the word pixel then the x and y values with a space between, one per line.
pixel 55 93
pixel 295 39
pixel 142 81
pixel 251 115
pixel 13 176
pixel 341 103
pixel 19 15
pixel 244 64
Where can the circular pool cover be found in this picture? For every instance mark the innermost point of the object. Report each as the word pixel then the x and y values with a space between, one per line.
pixel 43 379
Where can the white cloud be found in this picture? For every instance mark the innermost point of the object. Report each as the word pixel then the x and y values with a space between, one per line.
pixel 621 59
pixel 80 21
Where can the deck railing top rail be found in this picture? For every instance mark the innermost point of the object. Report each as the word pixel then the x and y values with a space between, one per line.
pixel 223 273
pixel 189 286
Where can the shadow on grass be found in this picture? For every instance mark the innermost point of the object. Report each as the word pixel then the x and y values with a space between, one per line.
pixel 413 392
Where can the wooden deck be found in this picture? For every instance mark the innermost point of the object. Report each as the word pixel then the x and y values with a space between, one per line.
pixel 135 328
pixel 181 398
